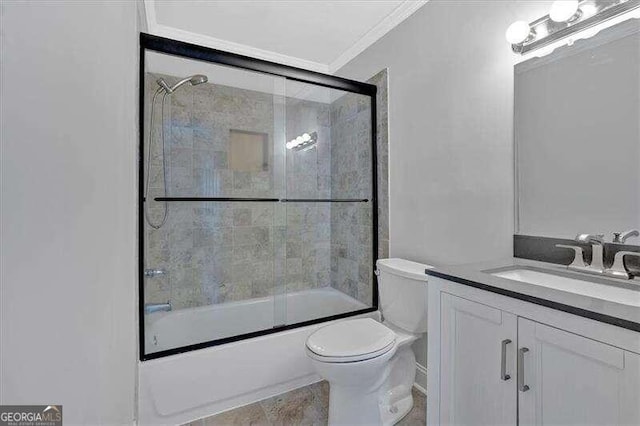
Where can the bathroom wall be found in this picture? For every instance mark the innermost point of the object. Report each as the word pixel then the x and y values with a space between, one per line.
pixel 451 133
pixel 450 130
pixel 68 212
pixel 221 252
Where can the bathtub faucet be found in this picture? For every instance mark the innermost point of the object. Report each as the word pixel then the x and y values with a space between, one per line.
pixel 150 308
pixel 151 273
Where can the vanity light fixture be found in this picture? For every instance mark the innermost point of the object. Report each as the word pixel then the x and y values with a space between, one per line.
pixel 566 17
pixel 303 142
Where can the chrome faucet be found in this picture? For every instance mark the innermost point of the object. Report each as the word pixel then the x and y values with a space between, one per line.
pixel 617 270
pixel 621 237
pixel 150 308
pixel 597 251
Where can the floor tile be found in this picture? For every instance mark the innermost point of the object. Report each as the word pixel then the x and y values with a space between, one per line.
pixel 304 406
pixel 418 414
pixel 251 414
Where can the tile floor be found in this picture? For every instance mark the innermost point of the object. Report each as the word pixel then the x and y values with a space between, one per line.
pixel 304 406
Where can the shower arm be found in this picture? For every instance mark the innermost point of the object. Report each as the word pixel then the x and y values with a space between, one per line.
pixel 178 84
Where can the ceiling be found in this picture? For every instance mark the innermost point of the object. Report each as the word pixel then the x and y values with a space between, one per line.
pixel 317 35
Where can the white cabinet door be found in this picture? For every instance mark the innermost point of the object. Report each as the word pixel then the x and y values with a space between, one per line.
pixel 566 379
pixel 477 364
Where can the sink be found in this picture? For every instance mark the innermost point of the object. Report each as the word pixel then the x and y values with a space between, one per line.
pixel 623 294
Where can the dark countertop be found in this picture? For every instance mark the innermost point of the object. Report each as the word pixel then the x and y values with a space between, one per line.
pixel 621 309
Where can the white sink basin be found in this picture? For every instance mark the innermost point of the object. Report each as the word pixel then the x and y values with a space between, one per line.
pixel 611 293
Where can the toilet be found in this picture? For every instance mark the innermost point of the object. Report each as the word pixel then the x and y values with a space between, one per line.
pixel 369 365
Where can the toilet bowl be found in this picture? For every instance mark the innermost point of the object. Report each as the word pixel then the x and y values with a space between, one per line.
pixel 369 365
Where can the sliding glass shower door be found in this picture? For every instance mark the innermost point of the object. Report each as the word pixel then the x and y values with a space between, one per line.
pixel 329 202
pixel 257 205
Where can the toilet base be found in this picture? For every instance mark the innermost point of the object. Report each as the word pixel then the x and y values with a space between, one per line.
pixel 396 412
pixel 383 401
pixel 347 407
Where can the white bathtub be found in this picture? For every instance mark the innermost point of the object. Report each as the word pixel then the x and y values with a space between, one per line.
pixel 180 388
pixel 167 330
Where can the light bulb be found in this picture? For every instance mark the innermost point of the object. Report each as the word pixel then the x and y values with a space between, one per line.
pixel 299 140
pixel 289 145
pixel 588 10
pixel 306 137
pixel 563 10
pixel 518 32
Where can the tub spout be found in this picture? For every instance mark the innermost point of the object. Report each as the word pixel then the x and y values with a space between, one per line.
pixel 150 308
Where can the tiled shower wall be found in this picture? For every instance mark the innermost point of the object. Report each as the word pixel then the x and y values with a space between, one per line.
pixel 220 252
pixel 381 81
pixel 351 262
pixel 308 177
pixel 351 256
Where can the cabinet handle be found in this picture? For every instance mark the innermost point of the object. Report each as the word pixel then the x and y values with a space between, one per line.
pixel 503 360
pixel 521 386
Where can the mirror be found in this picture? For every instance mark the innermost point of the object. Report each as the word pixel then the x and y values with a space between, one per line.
pixel 577 137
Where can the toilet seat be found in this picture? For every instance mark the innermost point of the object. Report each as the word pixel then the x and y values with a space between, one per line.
pixel 350 341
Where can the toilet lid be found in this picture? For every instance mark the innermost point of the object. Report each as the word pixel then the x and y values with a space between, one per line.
pixel 352 339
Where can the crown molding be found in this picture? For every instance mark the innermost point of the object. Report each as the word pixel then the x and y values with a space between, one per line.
pixel 402 12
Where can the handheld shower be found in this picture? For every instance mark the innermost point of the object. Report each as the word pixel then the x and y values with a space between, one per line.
pixel 193 80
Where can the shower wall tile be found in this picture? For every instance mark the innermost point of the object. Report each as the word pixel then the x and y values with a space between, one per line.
pixel 382 132
pixel 350 254
pixel 223 252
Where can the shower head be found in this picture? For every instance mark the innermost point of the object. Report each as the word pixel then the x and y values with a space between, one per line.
pixel 198 79
pixel 194 80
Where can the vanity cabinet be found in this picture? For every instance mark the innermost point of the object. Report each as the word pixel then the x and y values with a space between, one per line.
pixel 494 362
pixel 570 379
pixel 477 364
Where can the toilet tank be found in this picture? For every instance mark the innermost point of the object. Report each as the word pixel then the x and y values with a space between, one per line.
pixel 402 286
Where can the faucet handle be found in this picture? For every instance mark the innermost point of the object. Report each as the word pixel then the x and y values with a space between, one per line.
pixel 578 260
pixel 621 237
pixel 618 268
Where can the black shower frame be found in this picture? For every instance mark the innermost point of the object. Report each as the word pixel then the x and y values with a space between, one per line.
pixel 193 51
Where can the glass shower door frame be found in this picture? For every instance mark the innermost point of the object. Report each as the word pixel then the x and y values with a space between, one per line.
pixel 190 51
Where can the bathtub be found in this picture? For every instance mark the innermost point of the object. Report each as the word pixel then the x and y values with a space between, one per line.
pixel 184 387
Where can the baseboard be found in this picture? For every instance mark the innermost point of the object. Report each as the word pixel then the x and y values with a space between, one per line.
pixel 421 379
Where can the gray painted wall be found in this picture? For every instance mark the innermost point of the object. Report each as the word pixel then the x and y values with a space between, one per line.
pixel 451 130
pixel 68 275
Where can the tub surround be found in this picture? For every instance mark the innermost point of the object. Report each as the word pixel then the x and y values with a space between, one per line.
pixel 381 81
pixel 225 252
pixel 325 245
pixel 475 275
